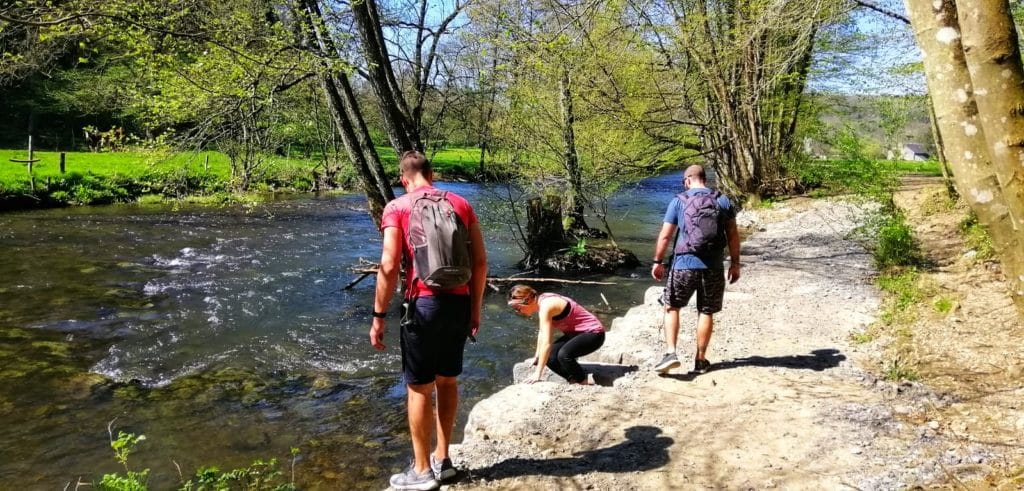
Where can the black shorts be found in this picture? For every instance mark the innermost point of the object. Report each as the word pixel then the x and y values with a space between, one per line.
pixel 434 338
pixel 709 284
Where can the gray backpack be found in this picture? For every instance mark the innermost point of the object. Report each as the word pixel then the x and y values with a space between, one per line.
pixel 439 240
pixel 700 217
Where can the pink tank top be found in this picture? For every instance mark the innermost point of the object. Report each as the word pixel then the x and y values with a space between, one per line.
pixel 579 319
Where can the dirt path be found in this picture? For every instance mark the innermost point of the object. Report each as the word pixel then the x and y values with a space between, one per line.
pixel 786 404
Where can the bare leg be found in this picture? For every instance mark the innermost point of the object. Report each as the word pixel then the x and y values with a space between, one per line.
pixel 421 423
pixel 705 323
pixel 671 329
pixel 447 407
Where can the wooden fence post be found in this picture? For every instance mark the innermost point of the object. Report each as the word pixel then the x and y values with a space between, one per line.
pixel 62 162
pixel 31 159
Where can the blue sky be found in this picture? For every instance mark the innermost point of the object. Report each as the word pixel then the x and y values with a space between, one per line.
pixel 886 45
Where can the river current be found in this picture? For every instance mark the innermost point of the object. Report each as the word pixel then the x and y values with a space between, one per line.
pixel 224 335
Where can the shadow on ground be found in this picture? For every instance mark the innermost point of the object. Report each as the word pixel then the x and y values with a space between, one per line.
pixel 605 374
pixel 818 360
pixel 644 449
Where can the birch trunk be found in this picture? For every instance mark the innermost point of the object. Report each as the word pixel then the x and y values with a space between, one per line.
pixel 956 113
pixel 993 61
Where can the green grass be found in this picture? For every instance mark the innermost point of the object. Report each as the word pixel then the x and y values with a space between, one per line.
pixel 977 238
pixel 127 164
pixel 928 167
pixel 943 304
pixel 109 177
pixel 897 371
pixel 464 160
pixel 904 291
pixel 135 164
pixel 862 337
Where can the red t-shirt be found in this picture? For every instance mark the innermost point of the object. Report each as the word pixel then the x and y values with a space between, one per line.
pixel 396 214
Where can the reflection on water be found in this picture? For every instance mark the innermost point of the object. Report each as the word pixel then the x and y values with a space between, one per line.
pixel 224 336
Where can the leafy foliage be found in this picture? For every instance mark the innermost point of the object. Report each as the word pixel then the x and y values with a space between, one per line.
pixel 261 475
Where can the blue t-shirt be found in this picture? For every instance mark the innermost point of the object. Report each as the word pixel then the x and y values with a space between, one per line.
pixel 712 260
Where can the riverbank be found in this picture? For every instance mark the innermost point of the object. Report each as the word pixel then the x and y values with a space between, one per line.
pixel 792 400
pixel 92 178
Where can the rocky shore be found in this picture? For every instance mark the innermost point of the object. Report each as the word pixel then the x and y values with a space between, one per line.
pixel 785 404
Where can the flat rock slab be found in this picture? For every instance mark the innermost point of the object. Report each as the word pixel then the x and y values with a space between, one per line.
pixel 784 406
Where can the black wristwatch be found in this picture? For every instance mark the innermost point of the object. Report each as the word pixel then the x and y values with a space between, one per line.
pixel 379 315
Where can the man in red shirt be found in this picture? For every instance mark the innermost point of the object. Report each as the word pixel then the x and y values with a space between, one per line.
pixel 433 342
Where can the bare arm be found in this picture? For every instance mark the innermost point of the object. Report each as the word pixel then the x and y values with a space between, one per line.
pixel 549 308
pixel 660 248
pixel 733 236
pixel 478 282
pixel 387 277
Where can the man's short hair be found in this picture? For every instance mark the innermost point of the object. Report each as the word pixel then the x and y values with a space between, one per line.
pixel 414 162
pixel 696 172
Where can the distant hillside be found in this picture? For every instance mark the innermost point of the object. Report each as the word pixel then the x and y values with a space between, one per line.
pixel 882 122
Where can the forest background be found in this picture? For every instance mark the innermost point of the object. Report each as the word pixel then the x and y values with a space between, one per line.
pixel 570 98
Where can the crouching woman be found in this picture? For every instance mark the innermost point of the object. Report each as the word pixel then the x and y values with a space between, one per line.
pixel 582 333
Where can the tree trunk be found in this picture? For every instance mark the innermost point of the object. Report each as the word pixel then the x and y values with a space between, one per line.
pixel 993 62
pixel 544 233
pixel 362 132
pixel 956 113
pixel 354 135
pixel 940 151
pixel 398 123
pixel 570 159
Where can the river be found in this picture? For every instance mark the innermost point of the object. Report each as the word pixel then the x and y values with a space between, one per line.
pixel 223 334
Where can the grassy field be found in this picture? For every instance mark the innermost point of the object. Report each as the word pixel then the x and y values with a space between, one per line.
pixel 109 177
pixel 128 164
pixel 135 164
pixel 928 167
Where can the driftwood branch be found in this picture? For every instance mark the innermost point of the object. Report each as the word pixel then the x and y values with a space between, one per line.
pixel 357 280
pixel 365 272
pixel 548 280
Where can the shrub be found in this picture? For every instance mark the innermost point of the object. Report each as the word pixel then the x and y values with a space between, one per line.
pixel 896 245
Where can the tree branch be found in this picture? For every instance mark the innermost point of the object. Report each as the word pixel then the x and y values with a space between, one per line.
pixel 882 10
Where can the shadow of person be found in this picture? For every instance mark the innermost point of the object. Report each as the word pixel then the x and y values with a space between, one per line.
pixel 605 374
pixel 818 360
pixel 643 450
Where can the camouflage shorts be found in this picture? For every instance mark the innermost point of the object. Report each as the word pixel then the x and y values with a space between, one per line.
pixel 709 284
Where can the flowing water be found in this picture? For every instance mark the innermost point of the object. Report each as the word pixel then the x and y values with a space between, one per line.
pixel 223 334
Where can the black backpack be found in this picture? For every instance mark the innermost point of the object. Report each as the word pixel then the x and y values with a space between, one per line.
pixel 439 240
pixel 700 217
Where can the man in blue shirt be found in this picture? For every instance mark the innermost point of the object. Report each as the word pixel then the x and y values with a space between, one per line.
pixel 702 273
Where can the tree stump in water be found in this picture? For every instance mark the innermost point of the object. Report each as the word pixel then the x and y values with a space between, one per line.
pixel 548 246
pixel 544 234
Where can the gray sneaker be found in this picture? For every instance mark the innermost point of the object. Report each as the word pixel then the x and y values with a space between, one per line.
pixel 412 480
pixel 443 470
pixel 667 363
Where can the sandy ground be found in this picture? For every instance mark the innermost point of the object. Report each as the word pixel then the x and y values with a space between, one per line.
pixel 791 401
